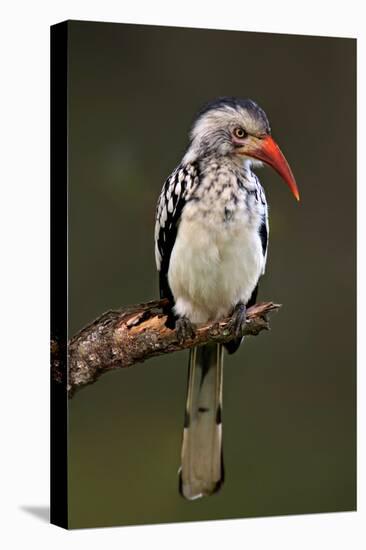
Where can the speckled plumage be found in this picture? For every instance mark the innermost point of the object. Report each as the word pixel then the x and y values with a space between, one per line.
pixel 217 256
pixel 211 238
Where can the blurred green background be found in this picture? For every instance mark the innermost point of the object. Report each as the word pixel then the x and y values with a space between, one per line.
pixel 289 395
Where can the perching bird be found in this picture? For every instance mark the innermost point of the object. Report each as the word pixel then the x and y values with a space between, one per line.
pixel 211 239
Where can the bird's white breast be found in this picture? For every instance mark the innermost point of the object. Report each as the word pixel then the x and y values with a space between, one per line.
pixel 217 257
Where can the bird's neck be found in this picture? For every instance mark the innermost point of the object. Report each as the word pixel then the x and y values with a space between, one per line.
pixel 227 167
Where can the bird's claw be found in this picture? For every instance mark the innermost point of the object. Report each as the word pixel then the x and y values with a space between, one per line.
pixel 185 329
pixel 238 320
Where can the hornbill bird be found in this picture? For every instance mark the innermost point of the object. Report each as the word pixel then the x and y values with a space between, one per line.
pixel 211 239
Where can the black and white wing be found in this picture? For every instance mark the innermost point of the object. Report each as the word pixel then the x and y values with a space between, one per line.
pixel 264 227
pixel 173 197
pixel 263 234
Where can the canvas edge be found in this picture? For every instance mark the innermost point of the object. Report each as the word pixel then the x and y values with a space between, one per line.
pixel 59 265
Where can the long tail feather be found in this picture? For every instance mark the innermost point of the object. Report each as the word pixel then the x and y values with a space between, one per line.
pixel 202 470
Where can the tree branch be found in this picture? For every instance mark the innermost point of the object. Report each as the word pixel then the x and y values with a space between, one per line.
pixel 119 339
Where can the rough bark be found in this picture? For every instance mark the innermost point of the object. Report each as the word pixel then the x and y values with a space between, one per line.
pixel 119 339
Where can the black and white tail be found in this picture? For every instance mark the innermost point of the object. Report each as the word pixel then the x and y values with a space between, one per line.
pixel 202 471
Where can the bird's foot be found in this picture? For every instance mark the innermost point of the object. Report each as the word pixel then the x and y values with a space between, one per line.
pixel 238 320
pixel 185 329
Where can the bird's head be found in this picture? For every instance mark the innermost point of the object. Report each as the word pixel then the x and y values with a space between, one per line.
pixel 238 128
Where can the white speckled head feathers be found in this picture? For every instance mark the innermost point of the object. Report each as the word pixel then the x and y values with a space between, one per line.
pixel 211 132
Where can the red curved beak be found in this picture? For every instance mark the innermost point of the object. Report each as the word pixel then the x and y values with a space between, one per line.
pixel 267 150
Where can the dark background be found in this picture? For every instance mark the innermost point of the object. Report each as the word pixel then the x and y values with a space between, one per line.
pixel 289 395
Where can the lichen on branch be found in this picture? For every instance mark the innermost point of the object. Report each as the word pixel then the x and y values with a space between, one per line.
pixel 120 339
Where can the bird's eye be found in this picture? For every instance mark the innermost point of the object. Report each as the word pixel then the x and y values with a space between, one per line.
pixel 240 133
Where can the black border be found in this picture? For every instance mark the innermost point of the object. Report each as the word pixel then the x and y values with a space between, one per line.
pixel 59 279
